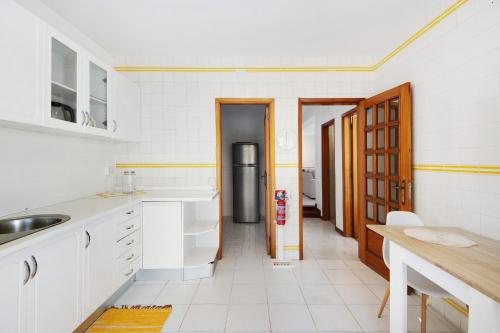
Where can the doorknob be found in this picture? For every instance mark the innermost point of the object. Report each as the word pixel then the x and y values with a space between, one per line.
pixel 265 178
pixel 403 192
pixel 401 187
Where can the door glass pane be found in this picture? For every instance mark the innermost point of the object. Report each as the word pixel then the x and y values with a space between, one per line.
pixel 63 82
pixel 369 187
pixel 380 138
pixel 369 210
pixel 380 113
pixel 369 163
pixel 369 140
pixel 394 109
pixel 393 164
pixel 381 214
pixel 393 137
pixel 98 97
pixel 380 189
pixel 394 192
pixel 380 165
pixel 369 117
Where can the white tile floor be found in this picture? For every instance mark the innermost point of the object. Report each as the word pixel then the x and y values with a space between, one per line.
pixel 329 291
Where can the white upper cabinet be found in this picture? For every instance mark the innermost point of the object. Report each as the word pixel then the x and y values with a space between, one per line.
pixel 126 124
pixel 96 107
pixel 64 107
pixel 52 82
pixel 20 64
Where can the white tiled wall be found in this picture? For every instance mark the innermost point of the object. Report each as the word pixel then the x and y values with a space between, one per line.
pixel 178 119
pixel 455 72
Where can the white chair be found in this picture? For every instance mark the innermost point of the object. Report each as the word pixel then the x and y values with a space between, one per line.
pixel 415 280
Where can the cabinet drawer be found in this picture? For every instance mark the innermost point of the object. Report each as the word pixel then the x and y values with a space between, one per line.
pixel 131 211
pixel 129 256
pixel 126 228
pixel 126 272
pixel 128 243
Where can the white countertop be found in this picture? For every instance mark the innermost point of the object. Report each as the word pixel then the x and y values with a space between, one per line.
pixel 93 207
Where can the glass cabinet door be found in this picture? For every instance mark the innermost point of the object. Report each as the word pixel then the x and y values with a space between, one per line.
pixel 98 97
pixel 64 80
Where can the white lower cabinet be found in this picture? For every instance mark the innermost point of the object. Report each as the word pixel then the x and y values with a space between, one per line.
pixel 99 263
pixel 162 235
pixel 15 274
pixel 56 274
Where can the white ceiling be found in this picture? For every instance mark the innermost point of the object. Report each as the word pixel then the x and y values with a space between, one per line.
pixel 254 28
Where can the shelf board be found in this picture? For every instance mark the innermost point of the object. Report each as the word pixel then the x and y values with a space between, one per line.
pixel 200 256
pixel 62 91
pixel 193 228
pixel 98 100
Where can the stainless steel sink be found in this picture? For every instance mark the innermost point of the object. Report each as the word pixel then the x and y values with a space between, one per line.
pixel 17 227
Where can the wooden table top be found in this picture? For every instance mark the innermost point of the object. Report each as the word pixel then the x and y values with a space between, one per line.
pixel 478 266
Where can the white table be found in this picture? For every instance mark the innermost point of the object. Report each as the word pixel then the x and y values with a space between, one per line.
pixel 470 274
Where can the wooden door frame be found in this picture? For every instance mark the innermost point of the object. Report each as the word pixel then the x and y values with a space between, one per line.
pixel 269 102
pixel 348 227
pixel 312 101
pixel 326 213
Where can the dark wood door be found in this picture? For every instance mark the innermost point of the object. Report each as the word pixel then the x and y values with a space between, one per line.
pixel 384 165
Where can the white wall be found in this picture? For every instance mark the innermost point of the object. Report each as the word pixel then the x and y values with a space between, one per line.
pixel 308 143
pixel 240 123
pixel 455 73
pixel 323 114
pixel 40 169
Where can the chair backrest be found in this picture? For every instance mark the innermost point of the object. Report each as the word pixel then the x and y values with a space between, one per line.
pixel 397 218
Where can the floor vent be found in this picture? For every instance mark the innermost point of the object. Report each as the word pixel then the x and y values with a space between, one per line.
pixel 282 264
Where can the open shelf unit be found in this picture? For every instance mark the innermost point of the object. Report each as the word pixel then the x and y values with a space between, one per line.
pixel 201 238
pixel 199 256
pixel 194 228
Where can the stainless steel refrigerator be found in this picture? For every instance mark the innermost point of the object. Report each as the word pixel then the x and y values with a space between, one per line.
pixel 245 182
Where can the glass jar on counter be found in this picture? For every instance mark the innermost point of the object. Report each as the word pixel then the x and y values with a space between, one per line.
pixel 128 181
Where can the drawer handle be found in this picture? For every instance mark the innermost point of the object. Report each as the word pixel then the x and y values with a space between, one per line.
pixel 129 272
pixel 131 242
pixel 130 257
pixel 130 212
pixel 130 227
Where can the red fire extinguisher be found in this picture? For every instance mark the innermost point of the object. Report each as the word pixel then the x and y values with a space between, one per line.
pixel 280 197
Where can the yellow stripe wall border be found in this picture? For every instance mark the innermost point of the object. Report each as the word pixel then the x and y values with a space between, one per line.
pixel 447 12
pixel 181 165
pixel 472 169
pixel 163 165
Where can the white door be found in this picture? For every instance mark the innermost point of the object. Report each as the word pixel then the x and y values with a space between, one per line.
pixel 99 254
pixel 57 285
pixel 20 65
pixel 126 123
pixel 15 276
